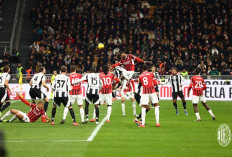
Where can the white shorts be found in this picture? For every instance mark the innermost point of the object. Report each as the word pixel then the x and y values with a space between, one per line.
pixel 25 117
pixel 107 98
pixel 79 99
pixel 130 95
pixel 128 74
pixel 196 99
pixel 144 100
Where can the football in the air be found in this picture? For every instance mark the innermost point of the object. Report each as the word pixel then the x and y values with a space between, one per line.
pixel 100 46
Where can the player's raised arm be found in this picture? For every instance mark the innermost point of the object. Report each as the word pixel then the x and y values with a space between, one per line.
pixel 79 80
pixel 117 64
pixel 23 100
pixel 138 59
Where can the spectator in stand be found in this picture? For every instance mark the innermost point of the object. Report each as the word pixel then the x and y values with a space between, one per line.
pixel 213 72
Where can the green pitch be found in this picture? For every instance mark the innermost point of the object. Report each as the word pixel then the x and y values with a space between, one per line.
pixel 178 135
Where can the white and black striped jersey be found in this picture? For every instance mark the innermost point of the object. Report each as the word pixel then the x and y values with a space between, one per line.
pixel 175 81
pixel 94 83
pixel 61 86
pixel 157 77
pixel 118 71
pixel 37 80
pixel 3 78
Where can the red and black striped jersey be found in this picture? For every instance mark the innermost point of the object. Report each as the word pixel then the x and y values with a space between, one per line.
pixel 147 81
pixel 76 88
pixel 130 86
pixel 35 113
pixel 107 82
pixel 129 62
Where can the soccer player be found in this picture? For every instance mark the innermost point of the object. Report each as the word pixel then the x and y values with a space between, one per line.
pixel 129 92
pixel 198 85
pixel 61 87
pixel 147 81
pixel 35 90
pixel 35 113
pixel 107 79
pixel 92 93
pixel 4 86
pixel 129 61
pixel 76 92
pixel 157 77
pixel 177 81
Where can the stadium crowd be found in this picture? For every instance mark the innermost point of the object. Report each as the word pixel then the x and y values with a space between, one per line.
pixel 175 34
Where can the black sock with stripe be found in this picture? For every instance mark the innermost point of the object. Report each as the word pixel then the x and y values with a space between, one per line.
pixel 72 114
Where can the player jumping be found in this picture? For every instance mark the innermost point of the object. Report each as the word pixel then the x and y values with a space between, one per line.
pixel 198 85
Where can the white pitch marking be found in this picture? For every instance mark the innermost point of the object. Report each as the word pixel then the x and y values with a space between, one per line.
pixel 37 141
pixel 94 133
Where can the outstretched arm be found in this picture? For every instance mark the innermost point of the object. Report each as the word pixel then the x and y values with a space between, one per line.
pixel 117 64
pixel 138 59
pixel 23 100
pixel 189 88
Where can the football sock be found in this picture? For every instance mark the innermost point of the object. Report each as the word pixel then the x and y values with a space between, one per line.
pixel 82 114
pixel 143 115
pixel 157 114
pixel 158 98
pixel 7 104
pixel 184 105
pixel 123 108
pixel 211 113
pixel 13 118
pixel 109 109
pixel 97 113
pixel 53 113
pixel 94 114
pixel 175 105
pixel 198 115
pixel 86 111
pixel 138 117
pixel 72 114
pixel 6 115
pixel 46 106
pixel 65 113
pixel 134 107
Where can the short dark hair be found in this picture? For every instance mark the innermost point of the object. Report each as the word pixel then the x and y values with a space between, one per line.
pixel 41 69
pixel 5 68
pixel 144 67
pixel 196 71
pixel 92 69
pixel 105 69
pixel 73 68
pixel 63 68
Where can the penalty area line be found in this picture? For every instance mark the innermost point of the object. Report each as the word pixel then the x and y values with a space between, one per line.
pixel 38 141
pixel 94 133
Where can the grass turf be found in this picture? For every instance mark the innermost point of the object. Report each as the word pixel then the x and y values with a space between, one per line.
pixel 178 135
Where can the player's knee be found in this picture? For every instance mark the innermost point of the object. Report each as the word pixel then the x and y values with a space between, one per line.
pixel 69 107
pixel 13 111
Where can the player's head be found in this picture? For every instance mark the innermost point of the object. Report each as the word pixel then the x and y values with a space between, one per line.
pixel 54 72
pixel 63 69
pixel 153 68
pixel 6 69
pixel 42 70
pixel 73 68
pixel 123 54
pixel 144 67
pixel 92 70
pixel 196 72
pixel 174 71
pixel 40 104
pixel 105 69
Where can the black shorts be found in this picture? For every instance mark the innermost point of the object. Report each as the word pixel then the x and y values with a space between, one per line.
pixel 4 95
pixel 92 98
pixel 137 97
pixel 64 100
pixel 156 88
pixel 36 93
pixel 175 94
